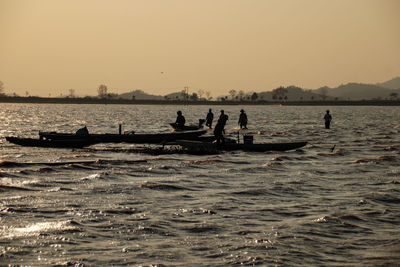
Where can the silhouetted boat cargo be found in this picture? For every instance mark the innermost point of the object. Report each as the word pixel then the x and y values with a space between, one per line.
pixel 251 147
pixel 191 127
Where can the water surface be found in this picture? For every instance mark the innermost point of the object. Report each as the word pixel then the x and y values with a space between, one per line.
pixel 110 205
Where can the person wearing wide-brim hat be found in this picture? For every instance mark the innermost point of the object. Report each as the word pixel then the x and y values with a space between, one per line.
pixel 242 120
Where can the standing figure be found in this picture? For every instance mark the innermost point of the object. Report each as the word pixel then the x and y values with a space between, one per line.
pixel 180 120
pixel 219 129
pixel 328 119
pixel 209 118
pixel 242 120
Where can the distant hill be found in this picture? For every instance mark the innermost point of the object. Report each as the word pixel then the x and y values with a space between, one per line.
pixel 294 93
pixel 351 91
pixel 391 84
pixel 358 91
pixel 140 95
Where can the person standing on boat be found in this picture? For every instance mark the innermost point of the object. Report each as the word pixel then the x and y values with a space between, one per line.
pixel 180 120
pixel 219 129
pixel 328 119
pixel 224 118
pixel 209 118
pixel 242 120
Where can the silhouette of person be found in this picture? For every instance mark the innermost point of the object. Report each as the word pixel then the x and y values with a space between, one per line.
pixel 180 120
pixel 209 118
pixel 219 129
pixel 242 120
pixel 328 119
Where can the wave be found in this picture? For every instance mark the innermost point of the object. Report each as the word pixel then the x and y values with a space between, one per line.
pixel 380 159
pixel 347 223
pixel 36 229
pixel 163 187
pixel 7 188
pixel 151 230
pixel 384 198
pixel 122 211
pixel 203 228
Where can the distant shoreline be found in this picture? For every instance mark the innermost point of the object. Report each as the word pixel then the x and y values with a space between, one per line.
pixel 49 100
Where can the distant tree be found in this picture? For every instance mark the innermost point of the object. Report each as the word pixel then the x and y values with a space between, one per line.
pixel 111 96
pixel 232 93
pixel 183 94
pixel 186 93
pixel 240 95
pixel 133 97
pixel 1 88
pixel 393 95
pixel 208 95
pixel 72 93
pixel 323 92
pixel 279 93
pixel 194 97
pixel 102 91
pixel 254 96
pixel 200 93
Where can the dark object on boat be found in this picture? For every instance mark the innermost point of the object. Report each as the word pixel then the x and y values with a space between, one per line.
pixel 60 143
pixel 248 139
pixel 189 127
pixel 155 138
pixel 230 146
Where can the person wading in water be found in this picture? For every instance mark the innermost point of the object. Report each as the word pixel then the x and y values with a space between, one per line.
pixel 328 119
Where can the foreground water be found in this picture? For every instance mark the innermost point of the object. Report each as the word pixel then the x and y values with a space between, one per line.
pixel 110 205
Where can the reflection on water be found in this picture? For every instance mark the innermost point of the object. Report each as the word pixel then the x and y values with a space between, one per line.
pixel 333 203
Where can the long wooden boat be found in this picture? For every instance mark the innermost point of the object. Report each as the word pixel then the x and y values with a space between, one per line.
pixel 140 138
pixel 67 143
pixel 261 147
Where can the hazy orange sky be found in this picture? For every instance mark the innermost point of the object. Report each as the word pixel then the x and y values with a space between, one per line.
pixel 160 46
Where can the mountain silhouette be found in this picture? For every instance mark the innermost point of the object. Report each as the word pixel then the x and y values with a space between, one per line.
pixel 391 84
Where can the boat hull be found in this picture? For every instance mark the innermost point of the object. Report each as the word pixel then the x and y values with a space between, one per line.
pixel 76 143
pixel 262 147
pixel 125 138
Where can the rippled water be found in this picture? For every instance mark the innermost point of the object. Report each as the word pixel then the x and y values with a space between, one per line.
pixel 110 205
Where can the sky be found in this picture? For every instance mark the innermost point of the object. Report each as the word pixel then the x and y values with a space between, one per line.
pixel 161 46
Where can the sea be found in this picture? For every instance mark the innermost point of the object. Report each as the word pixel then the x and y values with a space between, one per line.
pixel 334 202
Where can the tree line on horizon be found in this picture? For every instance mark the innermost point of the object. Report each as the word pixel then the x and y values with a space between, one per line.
pixel 290 93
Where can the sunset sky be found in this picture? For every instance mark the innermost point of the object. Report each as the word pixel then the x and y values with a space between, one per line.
pixel 50 46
